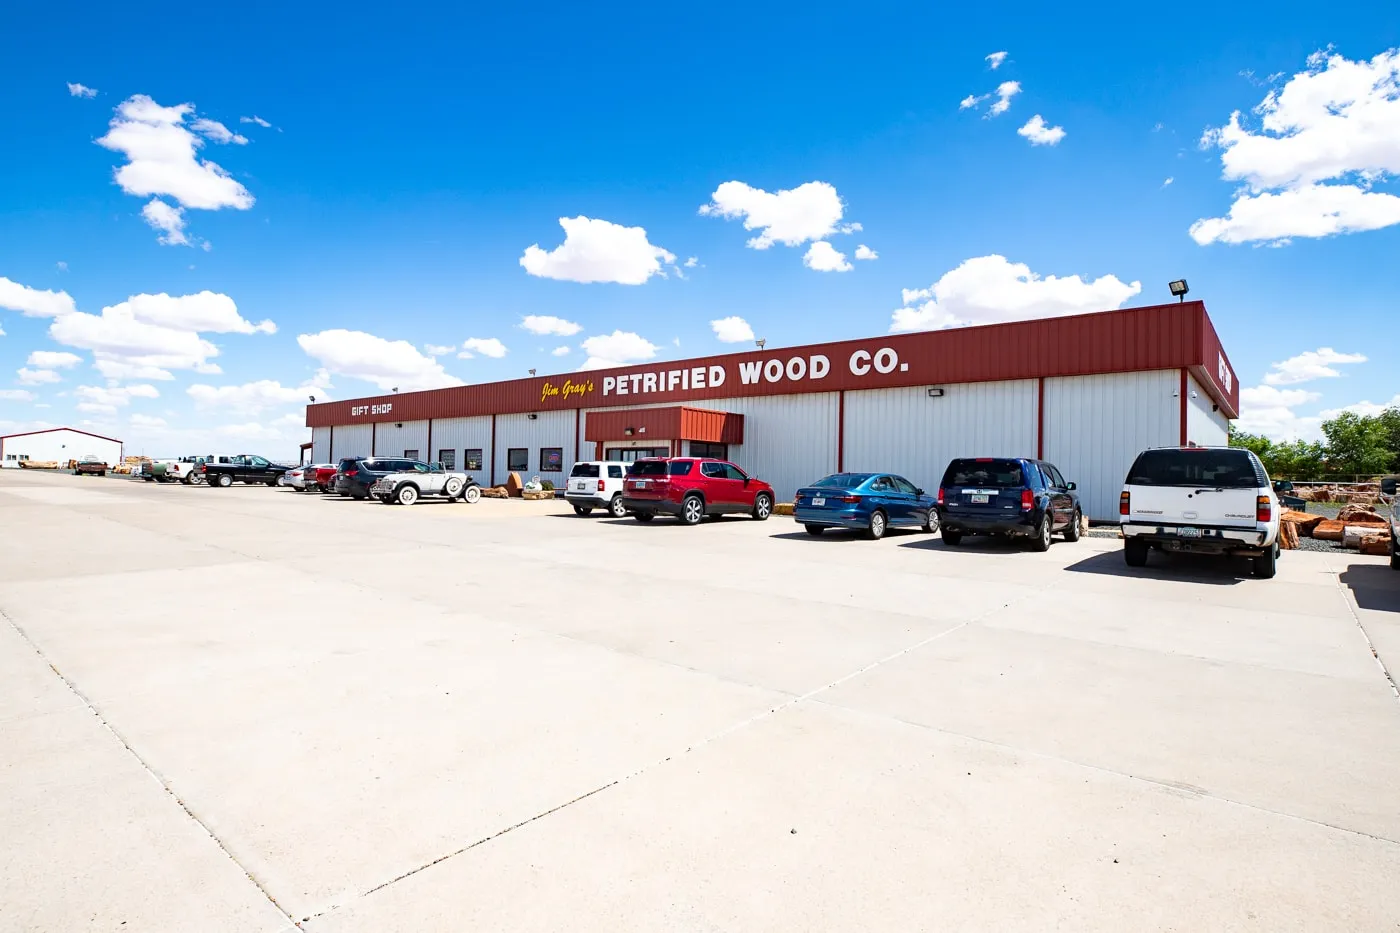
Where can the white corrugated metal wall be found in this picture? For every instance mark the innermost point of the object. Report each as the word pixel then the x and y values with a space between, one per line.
pixel 320 445
pixel 460 435
pixel 549 429
pixel 907 432
pixel 351 440
pixel 1204 427
pixel 61 445
pixel 789 440
pixel 1096 425
pixel 391 441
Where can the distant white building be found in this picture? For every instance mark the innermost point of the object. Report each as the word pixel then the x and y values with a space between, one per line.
pixel 60 444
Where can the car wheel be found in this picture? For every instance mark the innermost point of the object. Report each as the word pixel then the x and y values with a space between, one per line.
pixel 876 529
pixel 472 494
pixel 359 496
pixel 225 481
pixel 1041 541
pixel 814 530
pixel 453 487
pixel 387 500
pixel 950 537
pixel 406 495
pixel 582 510
pixel 76 473
pixel 102 473
pixel 615 507
pixel 1266 564
pixel 692 510
pixel 762 506
pixel 643 516
pixel 1135 552
pixel 930 525
pixel 1072 532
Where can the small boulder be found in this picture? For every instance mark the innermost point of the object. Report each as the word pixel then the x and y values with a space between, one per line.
pixel 1377 545
pixel 1288 536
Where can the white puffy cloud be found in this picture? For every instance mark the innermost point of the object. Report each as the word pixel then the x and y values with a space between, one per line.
pixel 37 377
pixel 16 395
pixel 385 363
pixel 598 251
pixel 547 324
pixel 1005 91
pixel 256 119
pixel 1311 211
pixel 438 349
pixel 486 346
pixel 252 398
pixel 1041 134
pixel 206 311
pixel 692 262
pixel 732 330
pixel 116 368
pixel 792 217
pixel 213 129
pixel 1310 365
pixel 972 100
pixel 824 257
pixel 143 422
pixel 991 289
pixel 110 398
pixel 167 219
pixel 1336 121
pixel 81 90
pixel 31 302
pixel 117 339
pixel 162 159
pixel 559 351
pixel 865 252
pixel 617 349
pixel 995 59
pixel 1269 411
pixel 53 359
pixel 1365 409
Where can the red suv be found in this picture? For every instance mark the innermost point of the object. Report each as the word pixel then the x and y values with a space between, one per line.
pixel 691 488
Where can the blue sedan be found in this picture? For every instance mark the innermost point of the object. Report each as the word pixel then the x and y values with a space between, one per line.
pixel 869 502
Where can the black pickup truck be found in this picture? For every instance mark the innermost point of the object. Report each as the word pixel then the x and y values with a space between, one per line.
pixel 243 468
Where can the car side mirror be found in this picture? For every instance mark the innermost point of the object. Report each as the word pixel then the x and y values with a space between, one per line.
pixel 918 491
pixel 1388 485
pixel 1071 486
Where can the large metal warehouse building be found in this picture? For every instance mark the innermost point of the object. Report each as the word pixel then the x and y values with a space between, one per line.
pixel 1085 392
pixel 58 445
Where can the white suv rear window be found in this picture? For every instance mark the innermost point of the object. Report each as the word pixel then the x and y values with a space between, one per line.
pixel 1218 469
pixel 589 470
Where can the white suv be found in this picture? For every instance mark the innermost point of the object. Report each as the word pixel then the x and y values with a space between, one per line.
pixel 1204 500
pixel 597 484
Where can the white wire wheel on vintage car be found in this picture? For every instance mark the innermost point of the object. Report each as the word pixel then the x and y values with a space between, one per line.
pixel 406 494
pixel 472 494
pixel 453 487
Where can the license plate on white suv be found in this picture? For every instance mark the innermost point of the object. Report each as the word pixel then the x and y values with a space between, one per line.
pixel 1188 532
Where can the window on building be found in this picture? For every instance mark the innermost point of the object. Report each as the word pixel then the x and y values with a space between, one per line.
pixel 629 454
pixel 704 449
pixel 551 459
pixel 410 455
pixel 471 458
pixel 517 459
pixel 448 459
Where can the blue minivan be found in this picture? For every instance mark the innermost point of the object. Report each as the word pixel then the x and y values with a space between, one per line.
pixel 1010 496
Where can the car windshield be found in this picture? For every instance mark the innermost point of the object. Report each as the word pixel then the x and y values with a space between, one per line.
pixel 1216 469
pixel 984 471
pixel 842 480
pixel 589 470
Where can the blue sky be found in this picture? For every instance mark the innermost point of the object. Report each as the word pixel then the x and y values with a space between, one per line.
pixel 410 162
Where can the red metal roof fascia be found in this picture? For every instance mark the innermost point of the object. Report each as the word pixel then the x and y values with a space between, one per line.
pixel 1215 372
pixel 100 437
pixel 714 427
pixel 613 424
pixel 1133 339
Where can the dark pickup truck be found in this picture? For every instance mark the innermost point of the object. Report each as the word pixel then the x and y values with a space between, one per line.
pixel 243 468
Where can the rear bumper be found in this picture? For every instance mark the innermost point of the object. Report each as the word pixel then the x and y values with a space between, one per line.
pixel 1022 523
pixel 660 506
pixel 831 518
pixel 588 499
pixel 1247 542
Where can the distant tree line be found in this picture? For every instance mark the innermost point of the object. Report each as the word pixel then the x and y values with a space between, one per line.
pixel 1355 445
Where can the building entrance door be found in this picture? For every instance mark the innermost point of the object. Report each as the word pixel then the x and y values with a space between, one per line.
pixel 629 454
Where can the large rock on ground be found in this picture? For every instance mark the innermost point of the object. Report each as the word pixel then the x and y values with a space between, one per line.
pixel 1377 545
pixel 1304 521
pixel 1354 514
pixel 1288 536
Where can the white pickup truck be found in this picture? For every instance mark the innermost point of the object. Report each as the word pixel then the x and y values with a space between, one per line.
pixel 177 470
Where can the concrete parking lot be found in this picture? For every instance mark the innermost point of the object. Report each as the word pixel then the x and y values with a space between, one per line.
pixel 253 710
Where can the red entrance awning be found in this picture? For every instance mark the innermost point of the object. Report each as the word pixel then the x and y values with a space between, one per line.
pixel 678 423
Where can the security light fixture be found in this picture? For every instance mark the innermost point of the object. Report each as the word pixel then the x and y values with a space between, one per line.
pixel 312 397
pixel 532 416
pixel 398 424
pixel 761 342
pixel 1179 289
pixel 935 393
pixel 532 372
pixel 396 388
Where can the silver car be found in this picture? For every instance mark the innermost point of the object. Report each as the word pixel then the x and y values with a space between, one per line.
pixel 406 487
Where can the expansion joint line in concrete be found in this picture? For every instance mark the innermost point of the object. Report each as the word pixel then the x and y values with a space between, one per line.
pixel 145 766
pixel 742 724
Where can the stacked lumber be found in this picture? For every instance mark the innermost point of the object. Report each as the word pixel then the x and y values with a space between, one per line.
pixel 38 464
